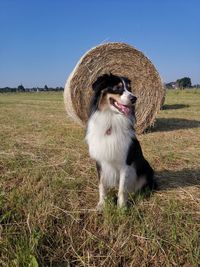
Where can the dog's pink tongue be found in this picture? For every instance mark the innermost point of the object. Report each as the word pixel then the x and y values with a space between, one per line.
pixel 124 109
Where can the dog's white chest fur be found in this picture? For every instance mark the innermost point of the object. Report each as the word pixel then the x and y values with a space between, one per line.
pixel 109 149
pixel 109 146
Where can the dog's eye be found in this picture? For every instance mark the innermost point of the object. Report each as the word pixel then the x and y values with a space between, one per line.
pixel 117 88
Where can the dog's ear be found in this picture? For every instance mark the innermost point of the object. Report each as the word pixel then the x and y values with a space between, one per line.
pixel 101 82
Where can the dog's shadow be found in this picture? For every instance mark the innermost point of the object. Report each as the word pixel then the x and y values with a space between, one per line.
pixel 176 179
pixel 165 180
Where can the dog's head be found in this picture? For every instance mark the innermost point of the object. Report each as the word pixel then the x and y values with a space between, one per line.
pixel 113 93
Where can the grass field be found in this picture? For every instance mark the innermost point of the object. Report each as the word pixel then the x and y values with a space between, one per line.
pixel 49 189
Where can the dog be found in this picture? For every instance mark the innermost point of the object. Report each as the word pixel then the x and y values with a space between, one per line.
pixel 112 142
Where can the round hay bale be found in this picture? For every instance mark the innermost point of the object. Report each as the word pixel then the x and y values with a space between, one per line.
pixel 164 98
pixel 119 59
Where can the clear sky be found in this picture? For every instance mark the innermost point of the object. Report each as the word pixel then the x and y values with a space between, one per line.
pixel 41 41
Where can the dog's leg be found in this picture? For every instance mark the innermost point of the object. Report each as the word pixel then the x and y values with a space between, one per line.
pixel 102 189
pixel 123 190
pixel 102 196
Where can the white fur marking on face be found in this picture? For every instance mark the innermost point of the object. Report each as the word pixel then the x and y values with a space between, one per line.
pixel 123 82
pixel 124 99
pixel 125 96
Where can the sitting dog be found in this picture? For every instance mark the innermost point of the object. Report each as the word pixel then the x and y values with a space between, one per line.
pixel 112 142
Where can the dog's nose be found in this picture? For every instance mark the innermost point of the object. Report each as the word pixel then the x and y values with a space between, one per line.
pixel 133 99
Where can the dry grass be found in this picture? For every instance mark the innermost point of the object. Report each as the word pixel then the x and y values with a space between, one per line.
pixel 49 188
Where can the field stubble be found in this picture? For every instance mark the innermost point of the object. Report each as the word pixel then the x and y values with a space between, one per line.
pixel 49 189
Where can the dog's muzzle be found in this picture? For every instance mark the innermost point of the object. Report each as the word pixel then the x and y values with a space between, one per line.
pixel 132 99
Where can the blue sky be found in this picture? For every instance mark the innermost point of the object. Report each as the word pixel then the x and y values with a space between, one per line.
pixel 41 41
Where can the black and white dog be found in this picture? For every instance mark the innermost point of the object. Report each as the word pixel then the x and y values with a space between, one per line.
pixel 112 142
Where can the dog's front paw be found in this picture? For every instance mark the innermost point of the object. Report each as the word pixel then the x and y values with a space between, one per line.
pixel 122 202
pixel 100 206
pixel 122 206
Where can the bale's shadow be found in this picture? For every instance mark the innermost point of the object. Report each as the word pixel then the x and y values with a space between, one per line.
pixel 174 106
pixel 175 179
pixel 172 124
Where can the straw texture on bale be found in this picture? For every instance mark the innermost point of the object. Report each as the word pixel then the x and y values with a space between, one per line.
pixel 119 59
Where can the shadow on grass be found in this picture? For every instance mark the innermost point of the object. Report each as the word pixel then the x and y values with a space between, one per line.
pixel 174 179
pixel 165 180
pixel 172 124
pixel 174 106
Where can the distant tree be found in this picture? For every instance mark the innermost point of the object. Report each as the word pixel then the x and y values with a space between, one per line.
pixel 12 89
pixel 196 85
pixel 5 89
pixel 21 88
pixel 184 82
pixel 59 88
pixel 46 88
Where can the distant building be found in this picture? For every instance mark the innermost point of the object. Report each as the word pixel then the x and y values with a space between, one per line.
pixel 171 85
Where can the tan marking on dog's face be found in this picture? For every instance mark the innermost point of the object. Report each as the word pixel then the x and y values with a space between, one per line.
pixel 104 102
pixel 116 97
